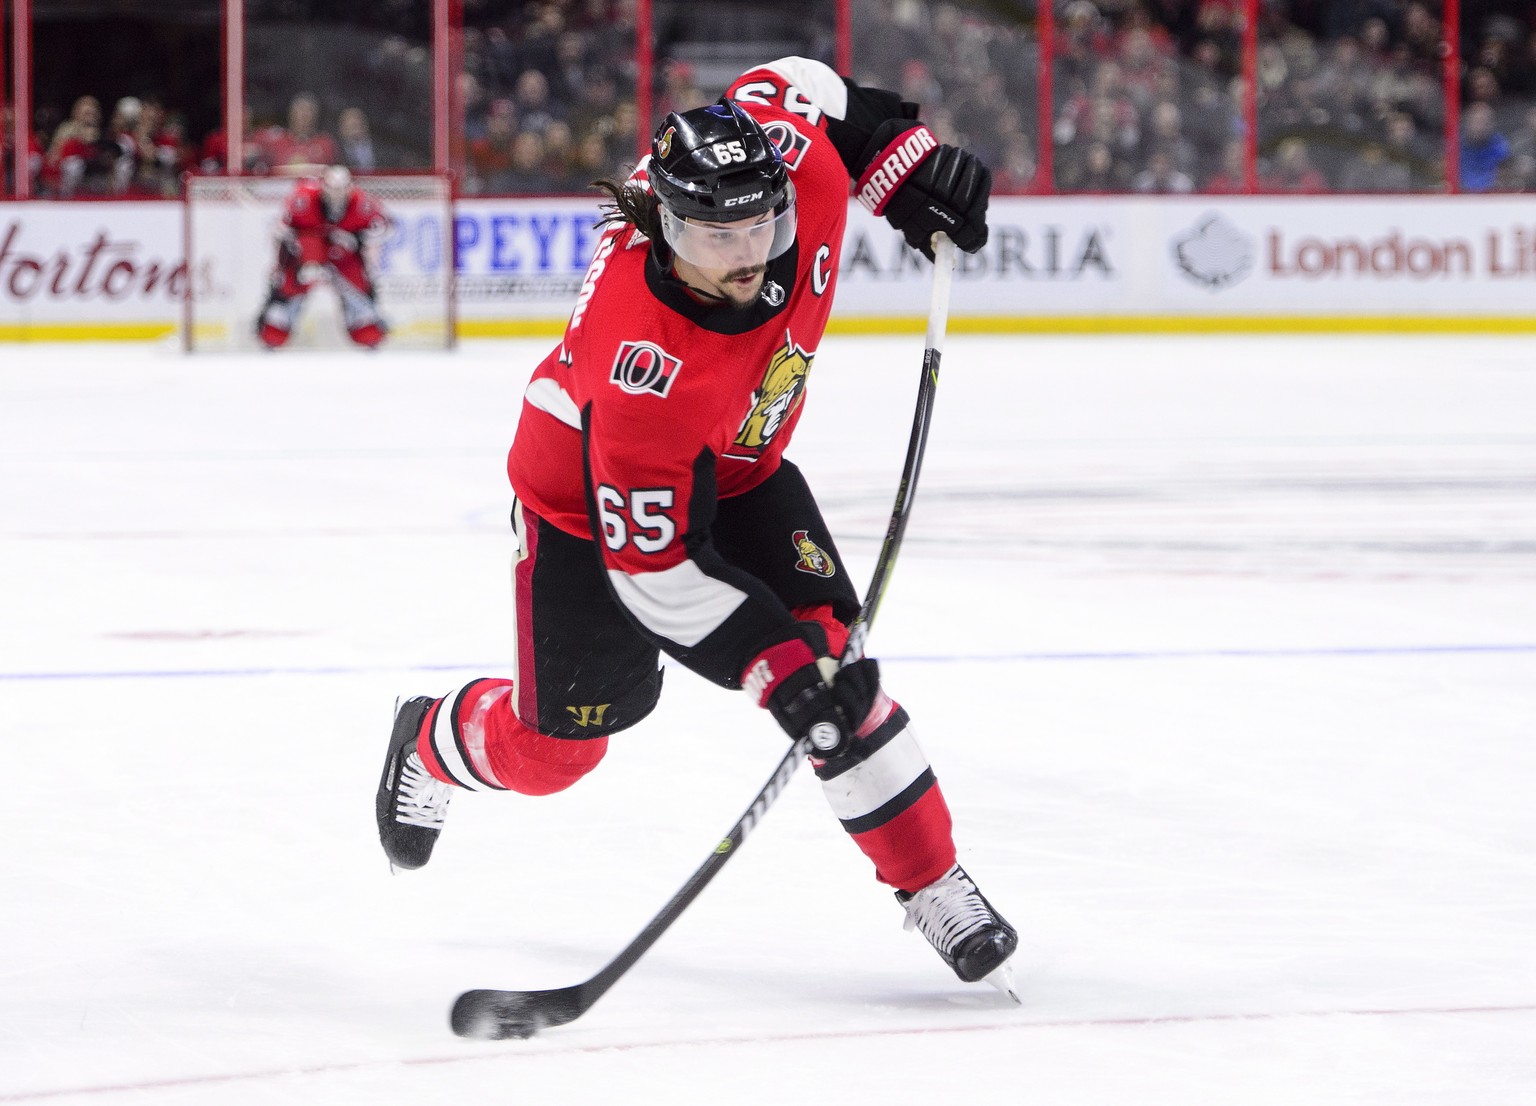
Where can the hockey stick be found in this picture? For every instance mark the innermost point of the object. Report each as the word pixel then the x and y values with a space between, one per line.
pixel 498 1015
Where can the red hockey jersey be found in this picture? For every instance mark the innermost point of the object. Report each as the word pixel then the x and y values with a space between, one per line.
pixel 659 405
pixel 305 213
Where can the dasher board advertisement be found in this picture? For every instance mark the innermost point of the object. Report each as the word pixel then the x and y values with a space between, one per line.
pixel 117 270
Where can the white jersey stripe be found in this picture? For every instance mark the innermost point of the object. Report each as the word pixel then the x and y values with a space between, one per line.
pixel 472 731
pixel 554 400
pixel 447 749
pixel 680 603
pixel 817 80
pixel 872 783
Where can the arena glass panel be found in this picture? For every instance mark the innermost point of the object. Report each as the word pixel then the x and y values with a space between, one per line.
pixel 973 68
pixel 123 93
pixel 1351 99
pixel 1148 99
pixel 328 81
pixel 1497 137
pixel 547 96
pixel 701 46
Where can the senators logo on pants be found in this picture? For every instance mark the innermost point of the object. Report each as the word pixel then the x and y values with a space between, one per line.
pixel 773 401
pixel 813 558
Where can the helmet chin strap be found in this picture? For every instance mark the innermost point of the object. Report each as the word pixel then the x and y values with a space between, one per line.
pixel 702 294
pixel 666 260
pixel 712 297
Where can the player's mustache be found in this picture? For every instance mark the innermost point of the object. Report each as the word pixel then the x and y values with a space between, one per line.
pixel 740 274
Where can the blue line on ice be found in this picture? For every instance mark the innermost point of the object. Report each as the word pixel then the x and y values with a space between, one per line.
pixel 950 658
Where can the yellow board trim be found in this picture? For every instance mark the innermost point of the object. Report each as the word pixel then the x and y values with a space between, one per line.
pixel 1099 324
pixel 897 324
pixel 86 332
pixel 1194 324
pixel 512 328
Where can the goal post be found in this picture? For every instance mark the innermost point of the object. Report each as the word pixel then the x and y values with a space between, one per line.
pixel 231 227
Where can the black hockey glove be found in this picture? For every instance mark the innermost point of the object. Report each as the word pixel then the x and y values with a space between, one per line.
pixel 923 187
pixel 786 679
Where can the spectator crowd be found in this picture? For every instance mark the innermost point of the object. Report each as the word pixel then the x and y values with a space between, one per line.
pixel 142 150
pixel 547 93
pixel 1147 96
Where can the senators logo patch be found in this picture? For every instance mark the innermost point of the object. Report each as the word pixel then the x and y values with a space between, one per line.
pixel 773 401
pixel 813 558
pixel 664 145
pixel 644 368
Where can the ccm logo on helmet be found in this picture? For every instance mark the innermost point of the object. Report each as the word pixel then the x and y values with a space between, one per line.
pixel 744 199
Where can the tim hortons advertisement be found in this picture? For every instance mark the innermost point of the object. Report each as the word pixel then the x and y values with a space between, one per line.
pixel 118 267
pixel 118 270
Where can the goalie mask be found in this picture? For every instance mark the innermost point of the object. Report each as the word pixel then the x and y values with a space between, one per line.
pixel 335 188
pixel 724 191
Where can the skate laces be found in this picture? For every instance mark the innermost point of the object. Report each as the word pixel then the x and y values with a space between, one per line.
pixel 421 799
pixel 948 910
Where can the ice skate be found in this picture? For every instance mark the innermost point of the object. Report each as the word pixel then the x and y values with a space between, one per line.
pixel 961 925
pixel 411 804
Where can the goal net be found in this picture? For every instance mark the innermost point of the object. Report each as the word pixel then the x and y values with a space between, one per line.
pixel 231 237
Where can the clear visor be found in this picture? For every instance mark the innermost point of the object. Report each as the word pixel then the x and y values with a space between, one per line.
pixel 736 245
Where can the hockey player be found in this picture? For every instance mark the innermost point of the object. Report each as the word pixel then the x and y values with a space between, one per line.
pixel 327 230
pixel 654 507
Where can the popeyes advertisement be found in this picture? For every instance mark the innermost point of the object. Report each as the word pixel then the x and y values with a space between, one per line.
pixel 119 271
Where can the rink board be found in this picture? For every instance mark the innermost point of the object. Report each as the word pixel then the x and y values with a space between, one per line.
pixel 1105 264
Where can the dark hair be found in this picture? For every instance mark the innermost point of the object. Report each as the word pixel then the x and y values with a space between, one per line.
pixel 630 202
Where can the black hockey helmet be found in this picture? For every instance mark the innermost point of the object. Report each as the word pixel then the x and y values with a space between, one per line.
pixel 717 164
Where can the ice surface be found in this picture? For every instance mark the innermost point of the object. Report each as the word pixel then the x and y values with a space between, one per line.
pixel 1224 649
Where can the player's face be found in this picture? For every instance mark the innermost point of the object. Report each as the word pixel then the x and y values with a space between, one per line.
pixel 727 259
pixel 740 286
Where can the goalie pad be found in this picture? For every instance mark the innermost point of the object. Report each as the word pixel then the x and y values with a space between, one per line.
pixel 304 261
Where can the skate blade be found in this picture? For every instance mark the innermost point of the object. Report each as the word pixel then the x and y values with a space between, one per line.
pixel 1001 977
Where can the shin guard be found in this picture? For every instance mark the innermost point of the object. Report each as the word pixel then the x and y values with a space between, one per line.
pixel 474 738
pixel 885 794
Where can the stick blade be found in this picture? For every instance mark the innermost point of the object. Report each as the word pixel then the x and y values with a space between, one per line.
pixel 490 1015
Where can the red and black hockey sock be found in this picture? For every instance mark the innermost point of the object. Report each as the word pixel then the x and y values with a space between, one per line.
pixel 473 738
pixel 887 798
